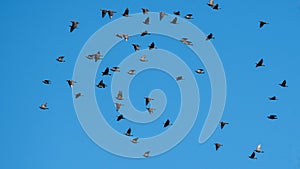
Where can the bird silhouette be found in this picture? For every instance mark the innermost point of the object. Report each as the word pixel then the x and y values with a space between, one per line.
pixel 128 132
pixel 145 33
pixel 218 145
pixel 188 16
pixel 111 13
pixel 115 69
pixel 273 98
pixel 167 123
pixel 120 95
pixel 134 140
pixel 101 84
pixel 77 95
pixel 262 23
pixel 252 156
pixel 46 81
pixel 146 154
pixel 152 46
pixel 178 78
pixel 211 3
pixel 283 84
pixel 106 72
pixel 136 47
pixel 61 59
pixel 147 100
pixel 126 12
pixel 131 72
pixel 145 11
pixel 120 117
pixel 161 15
pixel 103 12
pixel 223 123
pixel 200 71
pixel 260 63
pixel 272 117
pixel 73 26
pixel 118 106
pixel 44 106
pixel 147 21
pixel 210 36
pixel 176 13
pixel 150 110
pixel 185 41
pixel 174 21
pixel 71 82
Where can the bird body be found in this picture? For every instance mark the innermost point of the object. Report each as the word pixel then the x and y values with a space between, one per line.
pixel 77 95
pixel 223 123
pixel 200 71
pixel 115 69
pixel 101 84
pixel 134 140
pixel 118 106
pixel 120 95
pixel 185 41
pixel 146 154
pixel 147 21
pixel 283 84
pixel 262 23
pixel 73 26
pixel 120 117
pixel 71 82
pixel 152 46
pixel 179 78
pixel 126 12
pixel 128 132
pixel 252 156
pixel 61 59
pixel 258 149
pixel 46 81
pixel 272 117
pixel 131 72
pixel 167 123
pixel 147 100
pixel 210 36
pixel 273 98
pixel 106 72
pixel 136 47
pixel 174 21
pixel 218 145
pixel 145 33
pixel 161 15
pixel 188 16
pixel 150 110
pixel 260 63
pixel 176 13
pixel 145 11
pixel 44 106
pixel 143 58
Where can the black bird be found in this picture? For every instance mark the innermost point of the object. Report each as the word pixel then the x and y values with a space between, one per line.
pixel 145 33
pixel 145 10
pixel 210 36
pixel 176 13
pixel 136 47
pixel 223 123
pixel 200 71
pixel 120 117
pixel 111 13
pixel 151 46
pixel 101 84
pixel 262 23
pixel 44 106
pixel 106 72
pixel 217 145
pixel 283 84
pixel 272 117
pixel 148 99
pixel 260 63
pixel 46 81
pixel 252 156
pixel 128 132
pixel 273 98
pixel 126 12
pixel 167 123
pixel 71 82
pixel 61 59
pixel 73 26
pixel 103 12
pixel 188 16
pixel 216 7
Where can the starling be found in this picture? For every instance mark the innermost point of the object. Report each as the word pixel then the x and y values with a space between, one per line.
pixel 77 95
pixel 120 95
pixel 150 110
pixel 188 16
pixel 176 13
pixel 179 78
pixel 167 123
pixel 252 156
pixel 126 12
pixel 143 58
pixel 134 140
pixel 272 117
pixel 46 81
pixel 61 59
pixel 185 41
pixel 115 69
pixel 217 145
pixel 106 72
pixel 174 21
pixel 71 82
pixel 262 23
pixel 145 11
pixel 161 15
pixel 223 123
pixel 110 13
pixel 273 98
pixel 101 84
pixel 152 46
pixel 120 117
pixel 283 84
pixel 147 100
pixel 210 36
pixel 200 71
pixel 44 106
pixel 136 47
pixel 260 63
pixel 73 26
pixel 131 72
pixel 118 106
pixel 128 132
pixel 146 154
pixel 145 33
pixel 147 21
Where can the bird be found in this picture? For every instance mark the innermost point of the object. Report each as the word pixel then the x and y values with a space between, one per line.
pixel 167 123
pixel 46 81
pixel 252 156
pixel 125 36
pixel 134 140
pixel 44 106
pixel 211 3
pixel 97 56
pixel 179 78
pixel 143 58
pixel 145 11
pixel 147 21
pixel 273 98
pixel 73 26
pixel 118 106
pixel 61 59
pixel 101 84
pixel 71 82
pixel 217 145
pixel 136 47
pixel 131 72
pixel 161 15
pixel 216 7
pixel 115 69
pixel 272 117
pixel 120 95
pixel 200 71
pixel 185 41
pixel 262 23
pixel 174 21
pixel 103 12
pixel 283 84
pixel 176 13
pixel 152 46
pixel 210 36
pixel 145 33
pixel 110 13
pixel 77 95
pixel 188 16
pixel 223 123
pixel 258 149
pixel 147 100
pixel 260 63
pixel 90 57
pixel 150 110
pixel 128 132
pixel 106 72
pixel 126 12
pixel 120 117
pixel 146 154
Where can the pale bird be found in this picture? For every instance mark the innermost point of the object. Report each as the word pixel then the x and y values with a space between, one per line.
pixel 115 69
pixel 185 41
pixel 44 106
pixel 146 154
pixel 134 140
pixel 200 71
pixel 143 58
pixel 150 110
pixel 131 72
pixel 188 16
pixel 258 149
pixel 161 15
pixel 120 95
pixel 118 106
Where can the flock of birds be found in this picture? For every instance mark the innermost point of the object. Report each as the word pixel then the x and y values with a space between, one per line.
pixel 98 56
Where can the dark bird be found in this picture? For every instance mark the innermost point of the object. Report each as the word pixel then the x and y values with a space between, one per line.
pixel 176 13
pixel 145 33
pixel 73 26
pixel 178 78
pixel 152 46
pixel 136 47
pixel 283 84
pixel 262 23
pixel 273 98
pixel 126 12
pixel 128 132
pixel 272 117
pixel 77 95
pixel 161 15
pixel 260 63
pixel 61 59
pixel 217 145
pixel 200 71
pixel 111 13
pixel 145 11
pixel 147 21
pixel 103 12
pixel 120 117
pixel 188 16
pixel 148 99
pixel 216 7
pixel 167 123
pixel 101 84
pixel 44 106
pixel 223 123
pixel 71 82
pixel 106 72
pixel 134 140
pixel 252 156
pixel 115 69
pixel 174 21
pixel 46 81
pixel 210 36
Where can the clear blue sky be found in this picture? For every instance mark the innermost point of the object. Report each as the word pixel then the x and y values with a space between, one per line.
pixel 35 33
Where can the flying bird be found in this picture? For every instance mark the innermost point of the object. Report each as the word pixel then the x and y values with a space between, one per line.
pixel 118 106
pixel 252 156
pixel 61 59
pixel 128 132
pixel 146 154
pixel 210 36
pixel 217 145
pixel 188 16
pixel 106 72
pixel 46 81
pixel 272 117
pixel 101 84
pixel 125 36
pixel 150 110
pixel 167 123
pixel 258 149
pixel 145 33
pixel 145 11
pixel 97 56
pixel 200 71
pixel 147 100
pixel 73 26
pixel 77 95
pixel 176 13
pixel 143 58
pixel 216 7
pixel 161 15
pixel 174 21
pixel 71 82
pixel 126 12
pixel 120 95
pixel 152 46
pixel 179 78
pixel 185 41
pixel 273 98
pixel 260 63
pixel 44 106
pixel 103 12
pixel 134 140
pixel 136 47
pixel 131 72
pixel 115 69
pixel 283 84
pixel 111 13
pixel 223 123
pixel 262 23
pixel 211 3
pixel 120 117
pixel 147 21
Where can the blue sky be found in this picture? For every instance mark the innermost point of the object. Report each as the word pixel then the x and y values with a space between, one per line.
pixel 35 33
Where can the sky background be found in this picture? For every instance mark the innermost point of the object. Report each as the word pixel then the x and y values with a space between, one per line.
pixel 35 33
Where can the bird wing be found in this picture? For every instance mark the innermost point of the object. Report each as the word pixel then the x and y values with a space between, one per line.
pixel 147 20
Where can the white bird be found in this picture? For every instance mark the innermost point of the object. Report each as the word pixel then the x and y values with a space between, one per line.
pixel 258 149
pixel 143 58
